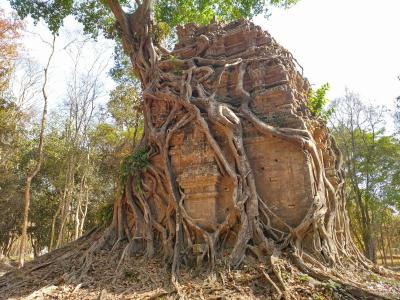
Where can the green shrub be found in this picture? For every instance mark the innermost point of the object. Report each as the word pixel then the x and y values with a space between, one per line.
pixel 317 101
pixel 160 31
pixel 134 164
pixel 105 213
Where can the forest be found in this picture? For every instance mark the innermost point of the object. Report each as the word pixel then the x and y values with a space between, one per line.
pixel 71 161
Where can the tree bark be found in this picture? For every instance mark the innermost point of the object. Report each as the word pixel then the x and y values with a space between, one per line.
pixel 31 175
pixel 384 258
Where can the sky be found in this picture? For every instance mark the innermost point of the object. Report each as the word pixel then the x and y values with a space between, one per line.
pixel 347 43
pixel 67 46
pixel 35 46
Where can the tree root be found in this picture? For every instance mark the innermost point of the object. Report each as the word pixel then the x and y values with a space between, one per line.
pixel 151 215
pixel 353 288
pixel 252 232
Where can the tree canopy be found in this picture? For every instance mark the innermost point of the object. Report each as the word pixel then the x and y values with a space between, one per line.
pixel 96 16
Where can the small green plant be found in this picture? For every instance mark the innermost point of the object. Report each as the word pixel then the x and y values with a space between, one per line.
pixel 331 286
pixel 317 101
pixel 304 278
pixel 160 32
pixel 393 282
pixel 138 185
pixel 172 59
pixel 178 72
pixel 285 275
pixel 318 297
pixel 174 62
pixel 134 165
pixel 373 277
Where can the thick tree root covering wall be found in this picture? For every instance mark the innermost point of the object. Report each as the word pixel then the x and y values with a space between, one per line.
pixel 235 158
pixel 235 162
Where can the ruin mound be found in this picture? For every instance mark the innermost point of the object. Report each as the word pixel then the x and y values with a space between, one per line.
pixel 233 169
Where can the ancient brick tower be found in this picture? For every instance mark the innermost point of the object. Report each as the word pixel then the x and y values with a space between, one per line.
pixel 282 171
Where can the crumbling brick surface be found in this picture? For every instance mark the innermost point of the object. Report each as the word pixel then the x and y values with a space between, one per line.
pixel 283 172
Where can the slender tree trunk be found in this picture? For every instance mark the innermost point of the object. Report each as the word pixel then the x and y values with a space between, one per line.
pixel 8 246
pixel 36 169
pixel 369 242
pixel 83 194
pixel 84 213
pixel 35 249
pixel 61 206
pixel 24 236
pixel 389 240
pixel 65 207
pixel 78 208
pixel 383 253
pixel 53 225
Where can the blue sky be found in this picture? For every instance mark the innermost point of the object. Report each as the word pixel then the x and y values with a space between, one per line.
pixel 353 43
pixel 347 43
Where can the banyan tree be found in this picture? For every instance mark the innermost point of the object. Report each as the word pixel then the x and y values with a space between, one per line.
pixel 231 156
pixel 231 159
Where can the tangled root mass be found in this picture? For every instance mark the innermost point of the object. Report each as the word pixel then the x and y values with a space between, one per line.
pixel 224 89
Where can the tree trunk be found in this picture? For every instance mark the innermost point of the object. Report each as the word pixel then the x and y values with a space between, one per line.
pixel 53 225
pixel 78 209
pixel 384 258
pixel 369 242
pixel 24 236
pixel 85 210
pixel 234 160
pixel 389 241
pixel 36 169
pixel 67 200
pixel 8 246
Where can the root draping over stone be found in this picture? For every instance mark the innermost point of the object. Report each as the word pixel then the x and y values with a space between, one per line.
pixel 236 161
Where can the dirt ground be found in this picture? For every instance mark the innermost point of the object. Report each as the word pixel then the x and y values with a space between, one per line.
pixel 58 275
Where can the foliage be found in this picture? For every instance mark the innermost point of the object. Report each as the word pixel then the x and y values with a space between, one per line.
pixel 41 215
pixel 82 157
pixel 372 165
pixel 317 102
pixel 10 28
pixel 122 71
pixel 53 12
pixel 304 278
pixel 105 213
pixel 12 136
pixel 95 16
pixel 331 287
pixel 134 164
pixel 160 32
pixel 203 11
pixel 125 106
pixel 67 171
